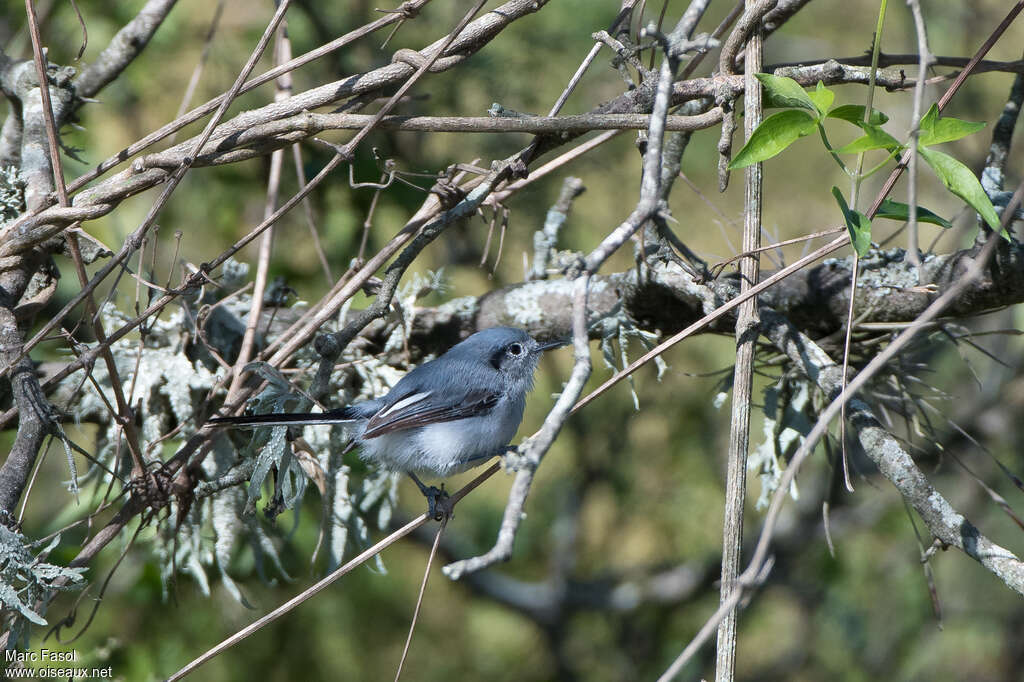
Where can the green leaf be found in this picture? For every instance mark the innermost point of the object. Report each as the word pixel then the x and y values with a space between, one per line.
pixel 894 210
pixel 874 138
pixel 775 133
pixel 936 130
pixel 822 98
pixel 959 180
pixel 854 113
pixel 929 118
pixel 781 92
pixel 858 225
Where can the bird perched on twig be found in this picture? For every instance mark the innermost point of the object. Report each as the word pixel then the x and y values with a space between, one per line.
pixel 446 416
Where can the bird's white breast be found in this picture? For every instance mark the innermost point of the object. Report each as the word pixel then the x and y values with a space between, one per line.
pixel 446 448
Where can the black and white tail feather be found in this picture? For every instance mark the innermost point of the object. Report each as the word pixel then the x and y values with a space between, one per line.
pixel 345 414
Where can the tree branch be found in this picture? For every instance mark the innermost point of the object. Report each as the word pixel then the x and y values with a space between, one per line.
pixel 892 458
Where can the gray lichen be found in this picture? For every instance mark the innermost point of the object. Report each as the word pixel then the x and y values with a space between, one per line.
pixel 26 580
pixel 12 193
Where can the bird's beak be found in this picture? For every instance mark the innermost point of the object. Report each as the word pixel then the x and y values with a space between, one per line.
pixel 541 347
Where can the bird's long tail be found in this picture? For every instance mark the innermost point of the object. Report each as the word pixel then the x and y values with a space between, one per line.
pixel 291 419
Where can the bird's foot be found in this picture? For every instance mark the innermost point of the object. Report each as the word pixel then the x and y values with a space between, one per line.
pixel 439 506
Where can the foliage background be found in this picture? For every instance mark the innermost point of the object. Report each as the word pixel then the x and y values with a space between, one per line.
pixel 628 490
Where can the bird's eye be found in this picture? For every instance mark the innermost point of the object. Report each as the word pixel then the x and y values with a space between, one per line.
pixel 515 349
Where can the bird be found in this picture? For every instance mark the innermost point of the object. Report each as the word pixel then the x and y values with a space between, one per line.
pixel 442 418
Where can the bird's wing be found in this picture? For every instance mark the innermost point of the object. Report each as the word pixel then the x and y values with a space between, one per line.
pixel 428 407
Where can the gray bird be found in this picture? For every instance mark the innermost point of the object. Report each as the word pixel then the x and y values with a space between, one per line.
pixel 445 416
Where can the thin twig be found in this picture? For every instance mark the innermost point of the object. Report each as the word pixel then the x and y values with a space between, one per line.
pixel 717 268
pixel 419 598
pixel 282 90
pixel 855 183
pixel 197 72
pixel 44 93
pixel 533 451
pixel 924 62
pixel 307 212
pixel 124 413
pixel 718 312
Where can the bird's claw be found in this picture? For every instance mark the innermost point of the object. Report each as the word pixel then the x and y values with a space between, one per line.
pixel 439 506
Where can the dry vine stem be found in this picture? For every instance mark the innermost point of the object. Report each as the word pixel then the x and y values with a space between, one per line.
pixel 747 331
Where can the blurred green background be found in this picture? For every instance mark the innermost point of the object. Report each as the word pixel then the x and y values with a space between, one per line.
pixel 623 493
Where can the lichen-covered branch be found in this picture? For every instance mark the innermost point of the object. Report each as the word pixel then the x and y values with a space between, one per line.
pixel 893 460
pixel 665 298
pixel 29 273
pixel 33 423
